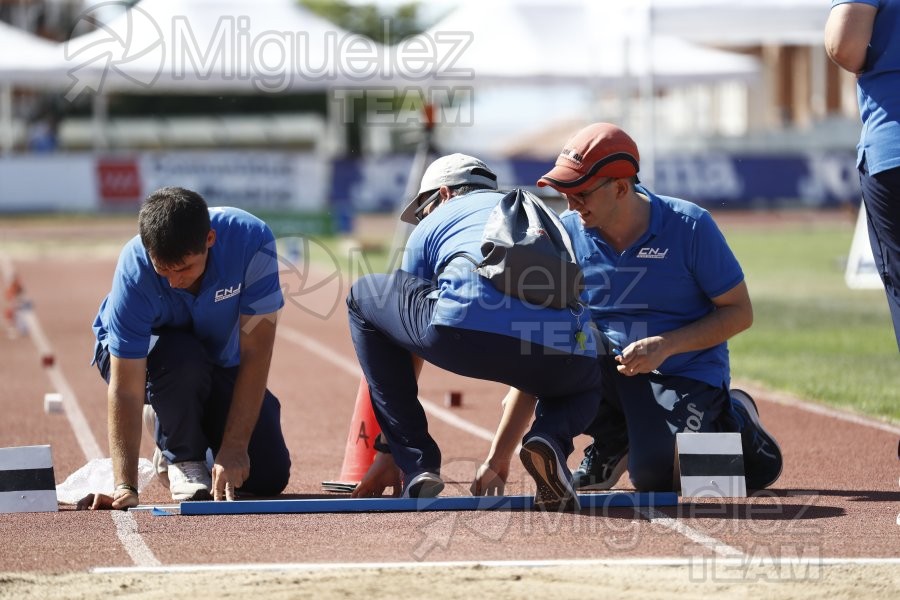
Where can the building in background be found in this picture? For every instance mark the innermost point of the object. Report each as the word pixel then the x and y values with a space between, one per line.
pixel 717 92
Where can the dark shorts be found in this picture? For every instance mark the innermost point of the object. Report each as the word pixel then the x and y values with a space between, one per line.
pixel 192 397
pixel 646 411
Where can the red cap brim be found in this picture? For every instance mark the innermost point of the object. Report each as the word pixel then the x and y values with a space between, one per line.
pixel 566 181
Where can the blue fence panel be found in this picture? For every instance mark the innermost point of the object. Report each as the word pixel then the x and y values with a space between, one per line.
pixel 713 179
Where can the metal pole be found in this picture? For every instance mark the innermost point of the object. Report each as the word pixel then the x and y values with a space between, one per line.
pixel 648 95
pixel 424 153
pixel 100 108
pixel 6 120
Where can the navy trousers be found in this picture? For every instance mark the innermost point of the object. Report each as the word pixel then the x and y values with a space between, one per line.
pixel 881 194
pixel 390 321
pixel 192 397
pixel 645 411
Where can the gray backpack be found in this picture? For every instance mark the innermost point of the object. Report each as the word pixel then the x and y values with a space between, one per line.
pixel 528 253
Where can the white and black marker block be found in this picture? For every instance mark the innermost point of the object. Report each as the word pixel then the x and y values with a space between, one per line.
pixel 27 483
pixel 710 465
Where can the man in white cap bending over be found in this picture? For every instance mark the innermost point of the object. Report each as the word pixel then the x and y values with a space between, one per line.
pixel 438 309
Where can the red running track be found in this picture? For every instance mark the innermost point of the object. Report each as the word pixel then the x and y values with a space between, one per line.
pixel 838 495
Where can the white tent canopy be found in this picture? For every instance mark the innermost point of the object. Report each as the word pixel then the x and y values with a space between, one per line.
pixel 741 22
pixel 26 59
pixel 276 45
pixel 570 42
pixel 221 45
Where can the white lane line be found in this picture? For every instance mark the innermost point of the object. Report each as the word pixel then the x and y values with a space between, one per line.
pixel 674 561
pixel 351 367
pixel 701 539
pixel 126 526
pixel 449 418
pixel 74 414
pixel 37 335
pixel 127 532
pixel 786 399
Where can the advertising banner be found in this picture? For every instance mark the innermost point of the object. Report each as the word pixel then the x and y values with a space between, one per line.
pixel 713 180
pixel 249 180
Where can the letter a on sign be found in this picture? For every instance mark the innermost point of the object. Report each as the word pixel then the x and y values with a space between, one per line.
pixel 362 434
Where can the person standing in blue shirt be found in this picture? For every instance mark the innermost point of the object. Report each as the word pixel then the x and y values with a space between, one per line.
pixel 666 293
pixel 187 330
pixel 863 37
pixel 437 309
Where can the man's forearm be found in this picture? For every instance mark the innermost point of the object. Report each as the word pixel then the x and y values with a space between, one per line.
pixel 518 411
pixel 718 326
pixel 257 342
pixel 732 315
pixel 124 425
pixel 249 391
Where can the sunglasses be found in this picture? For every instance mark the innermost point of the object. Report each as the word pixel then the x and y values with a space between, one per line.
pixel 425 204
pixel 582 197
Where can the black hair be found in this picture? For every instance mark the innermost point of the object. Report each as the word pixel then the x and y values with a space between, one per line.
pixel 465 188
pixel 174 223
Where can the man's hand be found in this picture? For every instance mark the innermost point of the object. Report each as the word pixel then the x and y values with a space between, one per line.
pixel 232 463
pixel 490 479
pixel 642 356
pixel 381 475
pixel 230 471
pixel 120 500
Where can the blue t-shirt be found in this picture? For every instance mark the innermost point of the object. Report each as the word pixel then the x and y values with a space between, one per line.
pixel 877 90
pixel 241 278
pixel 662 282
pixel 469 301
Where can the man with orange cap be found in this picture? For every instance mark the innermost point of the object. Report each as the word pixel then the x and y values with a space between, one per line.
pixel 666 293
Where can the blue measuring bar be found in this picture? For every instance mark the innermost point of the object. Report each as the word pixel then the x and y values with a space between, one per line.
pixel 351 505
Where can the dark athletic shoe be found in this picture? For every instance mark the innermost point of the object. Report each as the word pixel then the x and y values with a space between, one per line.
pixel 543 463
pixel 762 456
pixel 598 470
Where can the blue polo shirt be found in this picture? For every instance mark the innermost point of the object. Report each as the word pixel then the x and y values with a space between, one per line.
pixel 876 87
pixel 241 278
pixel 467 300
pixel 662 282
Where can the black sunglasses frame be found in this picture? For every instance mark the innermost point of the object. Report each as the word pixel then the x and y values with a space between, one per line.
pixel 423 206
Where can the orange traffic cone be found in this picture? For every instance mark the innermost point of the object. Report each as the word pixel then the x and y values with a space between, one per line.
pixel 359 452
pixel 15 302
pixel 14 289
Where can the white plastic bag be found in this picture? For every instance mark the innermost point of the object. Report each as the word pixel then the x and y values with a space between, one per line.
pixel 97 476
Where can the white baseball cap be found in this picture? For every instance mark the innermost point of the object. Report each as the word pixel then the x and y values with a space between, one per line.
pixel 451 170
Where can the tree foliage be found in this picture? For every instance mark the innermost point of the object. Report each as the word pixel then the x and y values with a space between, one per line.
pixel 385 26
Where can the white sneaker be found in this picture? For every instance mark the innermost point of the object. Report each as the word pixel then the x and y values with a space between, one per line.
pixel 189 480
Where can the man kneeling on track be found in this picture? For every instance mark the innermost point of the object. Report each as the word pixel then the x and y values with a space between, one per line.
pixel 186 333
pixel 666 292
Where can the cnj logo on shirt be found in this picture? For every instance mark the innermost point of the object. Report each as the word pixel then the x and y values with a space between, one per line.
pixel 652 253
pixel 226 293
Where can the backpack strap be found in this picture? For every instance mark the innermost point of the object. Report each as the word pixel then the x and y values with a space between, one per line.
pixel 453 257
